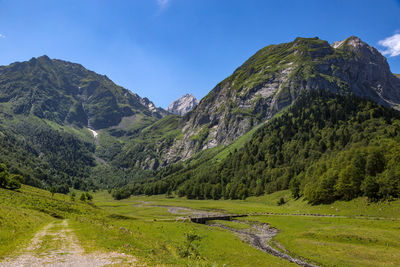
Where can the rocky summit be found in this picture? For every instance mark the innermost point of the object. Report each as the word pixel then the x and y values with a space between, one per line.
pixel 183 105
pixel 272 79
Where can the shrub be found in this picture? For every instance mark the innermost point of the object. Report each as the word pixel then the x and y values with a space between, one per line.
pixel 12 181
pixel 14 184
pixel 89 197
pixel 17 177
pixel 52 190
pixel 281 201
pixel 3 176
pixel 72 196
pixel 190 247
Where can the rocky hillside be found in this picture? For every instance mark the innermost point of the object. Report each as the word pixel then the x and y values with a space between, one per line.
pixel 183 105
pixel 273 78
pixel 66 92
pixel 324 147
pixel 46 106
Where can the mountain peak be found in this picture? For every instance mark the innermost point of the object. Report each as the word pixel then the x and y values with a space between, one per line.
pixel 352 41
pixel 356 45
pixel 43 58
pixel 274 77
pixel 183 105
pixel 68 93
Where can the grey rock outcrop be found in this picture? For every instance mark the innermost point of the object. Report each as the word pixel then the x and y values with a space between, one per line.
pixel 273 78
pixel 183 105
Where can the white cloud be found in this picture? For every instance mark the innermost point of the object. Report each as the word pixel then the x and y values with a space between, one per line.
pixel 392 45
pixel 2 36
pixel 162 4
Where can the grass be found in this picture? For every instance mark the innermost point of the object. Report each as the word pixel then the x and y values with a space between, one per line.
pixel 17 226
pixel 18 221
pixel 154 236
pixel 365 234
pixel 338 241
pixel 139 231
pixel 50 241
pixel 159 242
pixel 359 207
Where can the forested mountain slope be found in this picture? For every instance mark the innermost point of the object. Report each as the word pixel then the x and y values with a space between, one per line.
pixel 46 108
pixel 324 147
pixel 46 157
pixel 273 78
pixel 270 81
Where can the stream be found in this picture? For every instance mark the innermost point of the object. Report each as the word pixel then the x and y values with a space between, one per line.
pixel 94 135
pixel 258 235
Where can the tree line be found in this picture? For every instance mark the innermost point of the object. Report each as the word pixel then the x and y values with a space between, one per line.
pixel 325 147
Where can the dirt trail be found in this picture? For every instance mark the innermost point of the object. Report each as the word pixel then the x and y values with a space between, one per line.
pixel 57 245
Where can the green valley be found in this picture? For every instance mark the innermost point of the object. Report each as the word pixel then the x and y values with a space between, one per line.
pixel 145 228
pixel 294 159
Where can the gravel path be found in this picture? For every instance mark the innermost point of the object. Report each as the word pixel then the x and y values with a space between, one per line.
pixel 57 245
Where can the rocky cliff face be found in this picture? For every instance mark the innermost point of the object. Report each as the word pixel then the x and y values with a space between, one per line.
pixel 272 79
pixel 183 105
pixel 66 92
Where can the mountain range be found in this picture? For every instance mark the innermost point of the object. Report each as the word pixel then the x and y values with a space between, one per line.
pixel 50 109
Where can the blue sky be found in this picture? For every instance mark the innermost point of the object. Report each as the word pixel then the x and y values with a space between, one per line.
pixel 162 49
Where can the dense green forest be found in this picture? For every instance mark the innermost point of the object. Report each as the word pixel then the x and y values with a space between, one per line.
pixel 46 157
pixel 46 106
pixel 325 147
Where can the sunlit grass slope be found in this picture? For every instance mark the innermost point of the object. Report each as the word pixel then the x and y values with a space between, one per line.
pixel 365 234
pixel 139 231
pixel 362 234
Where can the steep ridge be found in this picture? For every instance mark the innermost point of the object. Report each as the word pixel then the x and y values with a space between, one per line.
pixel 66 92
pixel 324 147
pixel 48 106
pixel 264 85
pixel 273 78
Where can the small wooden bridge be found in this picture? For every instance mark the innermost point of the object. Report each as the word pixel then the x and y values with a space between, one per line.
pixel 224 217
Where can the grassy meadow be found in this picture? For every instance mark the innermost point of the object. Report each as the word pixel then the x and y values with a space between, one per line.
pixel 363 235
